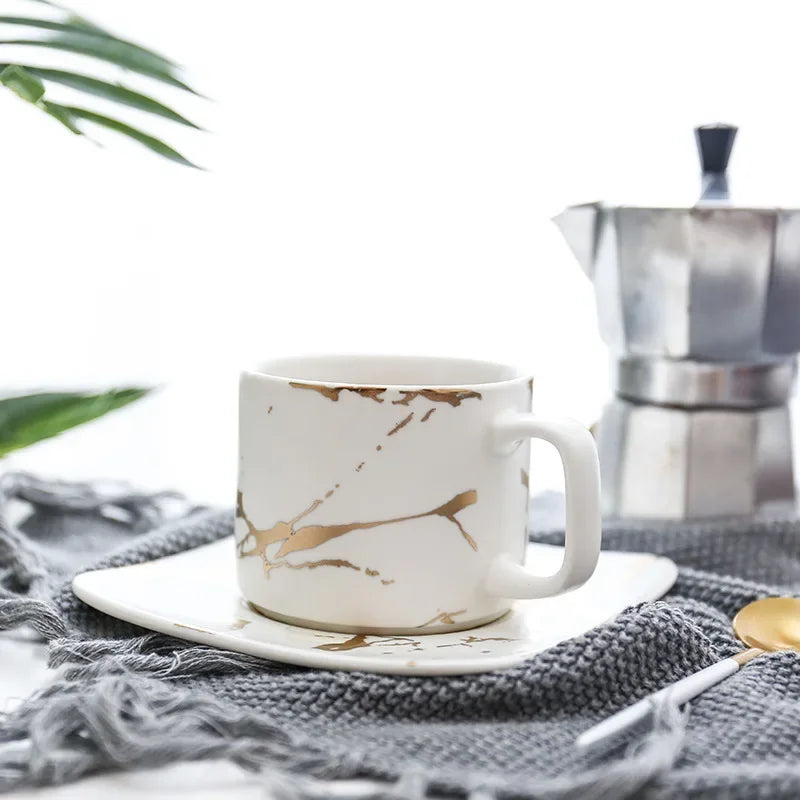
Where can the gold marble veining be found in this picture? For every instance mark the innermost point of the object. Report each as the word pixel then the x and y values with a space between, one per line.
pixel 312 536
pixel 292 539
pixel 333 392
pixel 428 415
pixel 322 562
pixel 445 617
pixel 524 478
pixel 401 424
pixel 453 397
pixel 468 641
pixel 192 628
pixel 375 573
pixel 242 516
pixel 359 640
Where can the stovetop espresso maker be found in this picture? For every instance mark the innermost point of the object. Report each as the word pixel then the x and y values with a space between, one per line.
pixel 700 307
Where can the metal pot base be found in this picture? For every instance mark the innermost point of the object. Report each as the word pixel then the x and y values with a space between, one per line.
pixel 675 463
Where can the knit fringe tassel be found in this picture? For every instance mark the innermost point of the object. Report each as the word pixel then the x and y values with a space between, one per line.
pixel 126 721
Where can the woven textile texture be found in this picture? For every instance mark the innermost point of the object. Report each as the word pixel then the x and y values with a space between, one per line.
pixel 124 698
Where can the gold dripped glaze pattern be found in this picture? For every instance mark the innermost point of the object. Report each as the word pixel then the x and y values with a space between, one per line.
pixel 322 562
pixel 444 617
pixel 333 392
pixel 193 628
pixel 401 424
pixel 364 640
pixel 468 641
pixel 292 539
pixel 453 397
pixel 360 640
pixel 428 414
pixel 525 480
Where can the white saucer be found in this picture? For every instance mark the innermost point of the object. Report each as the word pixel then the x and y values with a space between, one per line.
pixel 194 596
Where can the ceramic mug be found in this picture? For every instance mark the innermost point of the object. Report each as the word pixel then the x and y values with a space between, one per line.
pixel 389 495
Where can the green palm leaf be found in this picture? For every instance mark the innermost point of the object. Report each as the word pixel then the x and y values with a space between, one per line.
pixel 30 418
pixel 75 24
pixel 64 117
pixel 109 91
pixel 69 115
pixel 22 83
pixel 113 51
pixel 72 34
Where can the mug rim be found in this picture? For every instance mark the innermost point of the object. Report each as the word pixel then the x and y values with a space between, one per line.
pixel 272 369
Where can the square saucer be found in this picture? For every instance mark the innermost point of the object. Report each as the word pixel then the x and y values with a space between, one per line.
pixel 194 596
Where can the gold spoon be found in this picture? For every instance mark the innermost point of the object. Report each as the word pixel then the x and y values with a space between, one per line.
pixel 766 625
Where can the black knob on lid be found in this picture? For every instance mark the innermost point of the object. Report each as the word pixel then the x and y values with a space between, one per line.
pixel 715 142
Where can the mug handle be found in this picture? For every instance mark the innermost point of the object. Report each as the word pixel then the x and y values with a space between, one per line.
pixel 575 445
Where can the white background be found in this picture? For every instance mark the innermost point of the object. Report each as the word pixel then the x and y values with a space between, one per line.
pixel 380 178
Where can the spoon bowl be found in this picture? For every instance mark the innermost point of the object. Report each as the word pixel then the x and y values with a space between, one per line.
pixel 770 624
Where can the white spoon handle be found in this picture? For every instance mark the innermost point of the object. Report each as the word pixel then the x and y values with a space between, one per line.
pixel 678 693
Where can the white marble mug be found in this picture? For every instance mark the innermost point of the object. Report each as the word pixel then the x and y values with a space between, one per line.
pixel 389 495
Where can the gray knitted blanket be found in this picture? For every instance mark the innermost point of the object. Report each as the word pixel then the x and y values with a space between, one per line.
pixel 123 698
